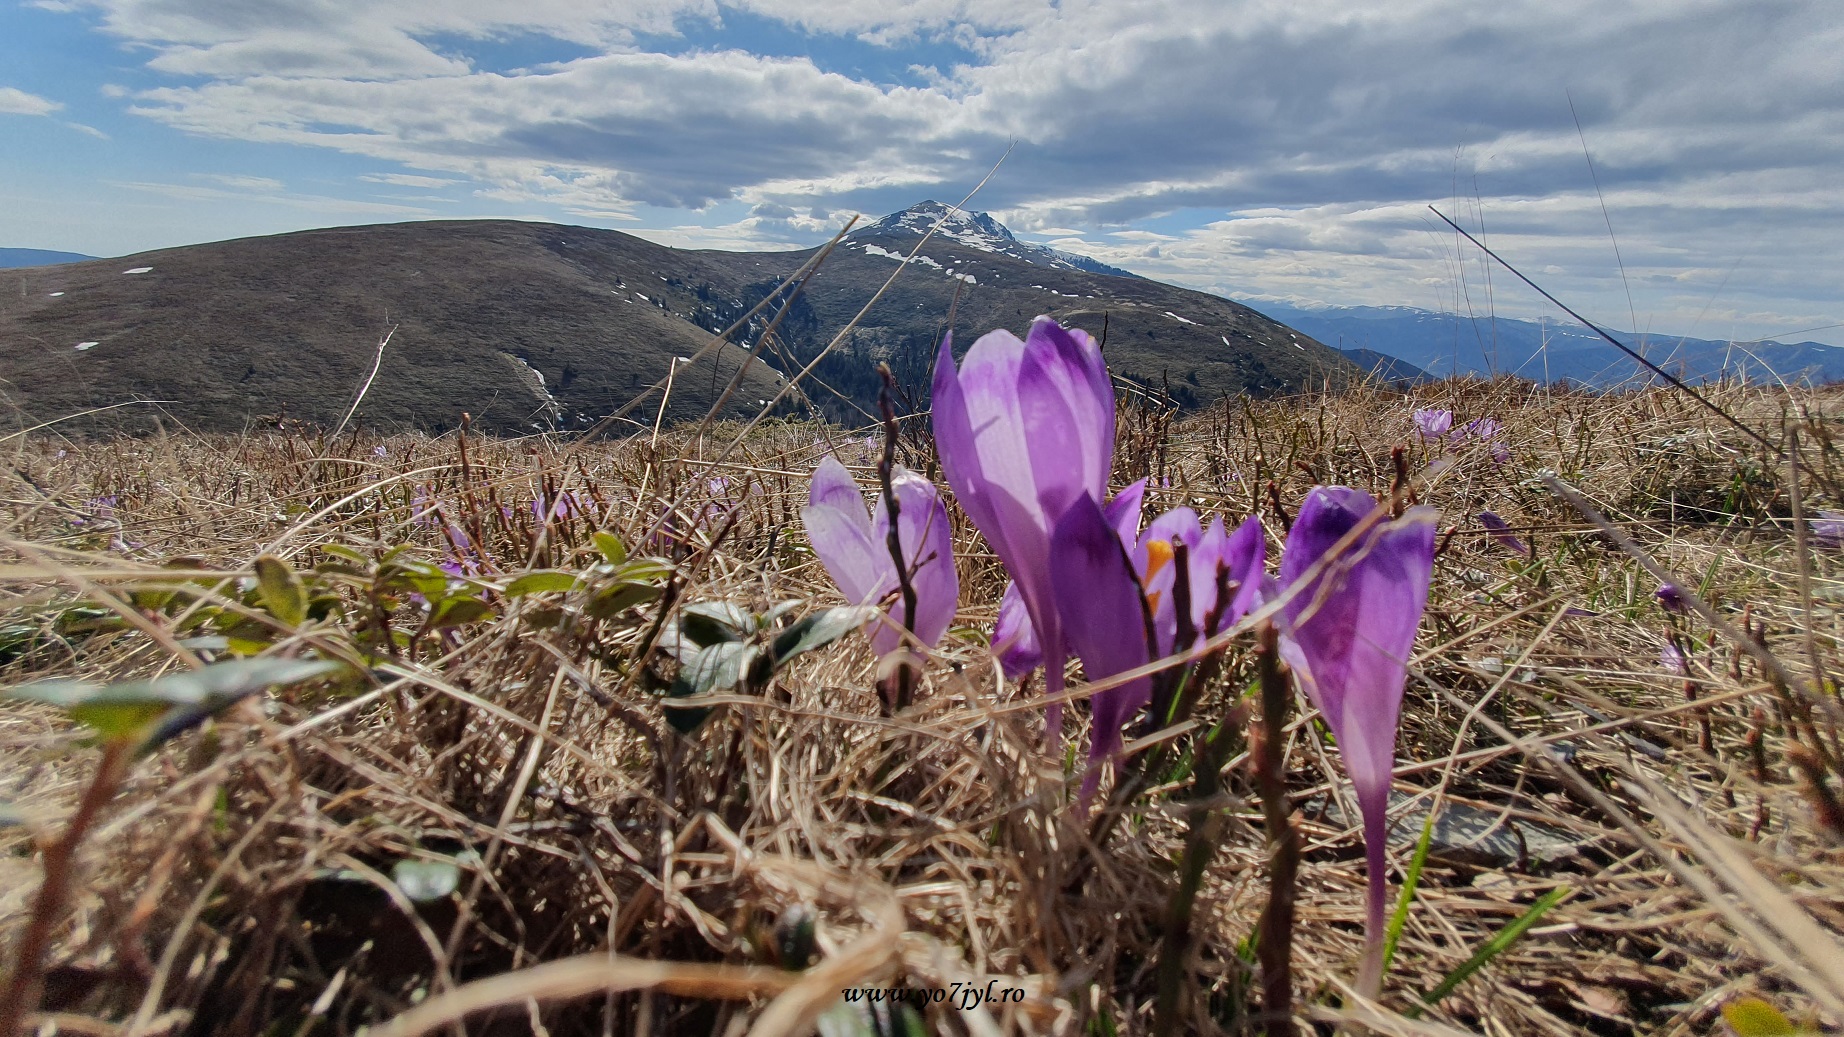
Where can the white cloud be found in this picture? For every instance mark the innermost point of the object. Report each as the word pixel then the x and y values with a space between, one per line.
pixel 243 183
pixel 1277 146
pixel 323 204
pixel 409 180
pixel 14 101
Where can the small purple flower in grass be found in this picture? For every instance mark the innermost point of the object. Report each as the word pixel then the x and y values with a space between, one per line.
pixel 1672 658
pixel 1433 422
pixel 1484 428
pixel 425 508
pixel 98 509
pixel 1025 429
pixel 1828 528
pixel 1671 598
pixel 1347 630
pixel 1501 533
pixel 854 547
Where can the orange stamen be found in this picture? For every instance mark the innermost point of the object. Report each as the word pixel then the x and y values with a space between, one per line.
pixel 1158 556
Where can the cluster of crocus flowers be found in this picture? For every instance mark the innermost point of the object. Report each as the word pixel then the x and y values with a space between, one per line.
pixel 1025 433
pixel 1354 584
pixel 854 547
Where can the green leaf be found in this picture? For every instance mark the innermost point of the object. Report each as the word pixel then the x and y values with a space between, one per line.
pixel 130 708
pixel 718 667
pixel 353 555
pixel 426 880
pixel 153 600
pixel 611 546
pixel 1492 948
pixel 819 629
pixel 649 570
pixel 714 622
pixel 541 581
pixel 455 612
pixel 616 598
pixel 281 590
pixel 1753 1017
pixel 1410 881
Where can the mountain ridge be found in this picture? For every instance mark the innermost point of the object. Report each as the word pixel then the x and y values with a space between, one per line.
pixel 531 326
pixel 1445 344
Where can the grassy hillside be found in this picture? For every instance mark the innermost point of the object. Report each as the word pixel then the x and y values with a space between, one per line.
pixel 524 325
pixel 494 798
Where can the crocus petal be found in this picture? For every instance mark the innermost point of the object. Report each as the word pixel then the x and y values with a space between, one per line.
pixel 1828 528
pixel 922 530
pixel 1067 406
pixel 1178 526
pixel 1123 512
pixel 1099 600
pixel 1433 422
pixel 840 531
pixel 834 487
pixel 1348 632
pixel 1244 555
pixel 1501 533
pixel 1013 638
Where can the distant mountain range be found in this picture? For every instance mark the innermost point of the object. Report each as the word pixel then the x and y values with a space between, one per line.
pixel 533 325
pixel 17 257
pixel 1443 344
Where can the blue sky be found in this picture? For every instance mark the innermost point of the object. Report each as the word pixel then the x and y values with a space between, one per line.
pixel 1273 149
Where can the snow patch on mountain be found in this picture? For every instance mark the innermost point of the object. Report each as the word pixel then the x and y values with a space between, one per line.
pixel 928 261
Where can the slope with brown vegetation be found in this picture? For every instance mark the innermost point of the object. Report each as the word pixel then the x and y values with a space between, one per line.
pixel 496 800
pixel 537 326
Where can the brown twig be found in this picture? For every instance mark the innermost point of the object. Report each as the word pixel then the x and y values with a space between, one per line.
pixel 25 980
pixel 1274 942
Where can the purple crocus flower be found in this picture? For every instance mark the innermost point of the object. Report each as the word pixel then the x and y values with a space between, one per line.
pixel 425 508
pixel 1671 598
pixel 1347 629
pixel 1501 532
pixel 1206 551
pixel 1672 658
pixel 854 548
pixel 1433 422
pixel 1024 430
pixel 1107 596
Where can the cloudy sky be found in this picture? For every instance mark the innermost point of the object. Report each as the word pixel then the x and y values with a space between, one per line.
pixel 1262 149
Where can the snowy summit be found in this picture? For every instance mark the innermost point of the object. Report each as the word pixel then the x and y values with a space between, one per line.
pixel 979 230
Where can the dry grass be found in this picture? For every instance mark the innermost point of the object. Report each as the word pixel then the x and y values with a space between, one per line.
pixel 240 883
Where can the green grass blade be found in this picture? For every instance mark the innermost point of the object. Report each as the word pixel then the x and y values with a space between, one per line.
pixel 1410 882
pixel 1492 948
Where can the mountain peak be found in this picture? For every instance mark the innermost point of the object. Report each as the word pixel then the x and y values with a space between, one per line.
pixel 971 228
pixel 979 230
